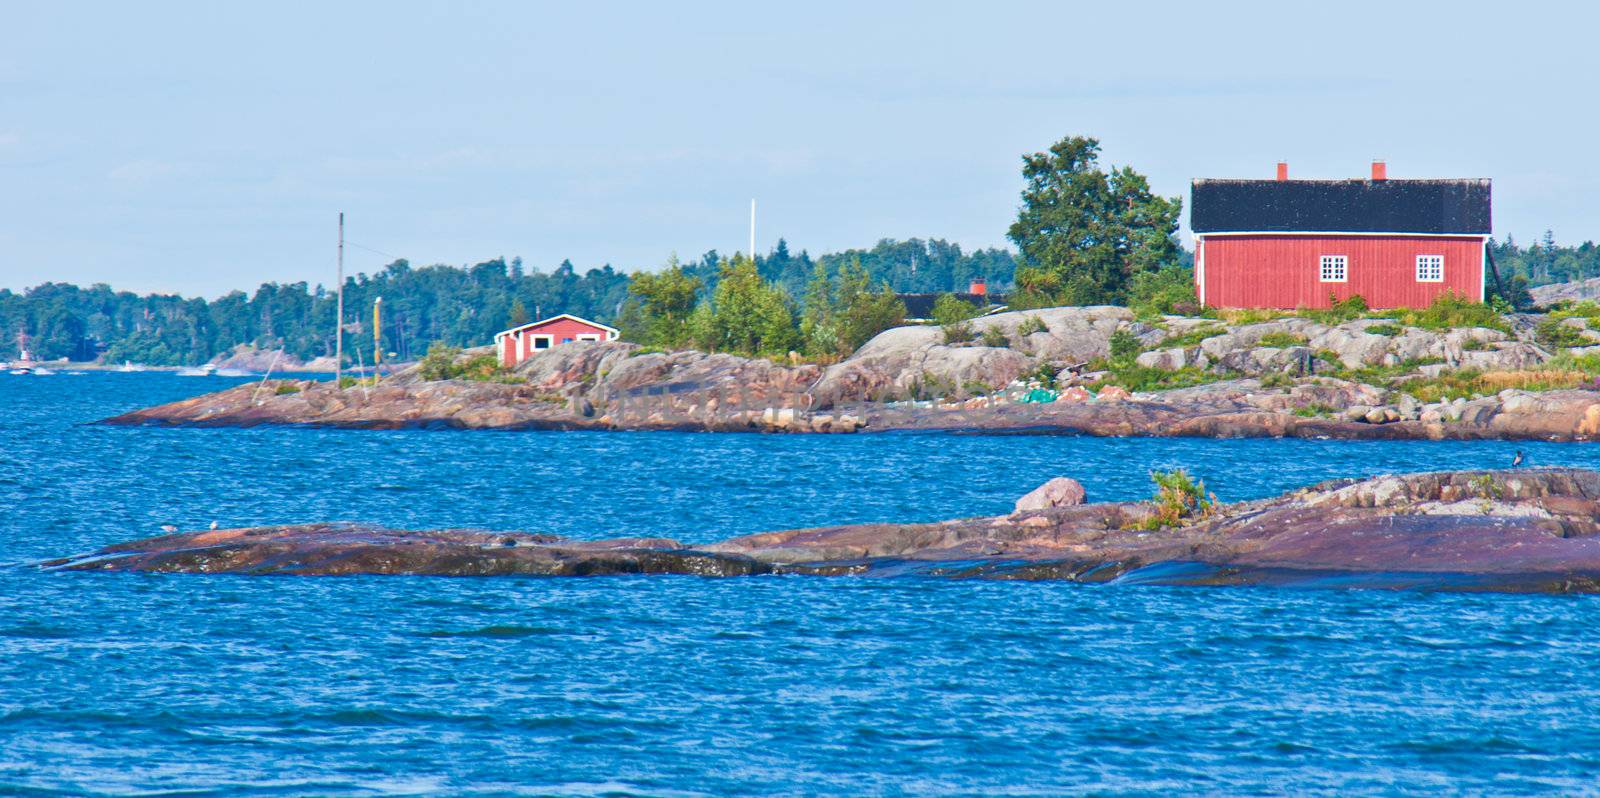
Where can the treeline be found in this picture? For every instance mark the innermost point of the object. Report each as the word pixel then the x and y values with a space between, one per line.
pixel 1544 262
pixel 463 306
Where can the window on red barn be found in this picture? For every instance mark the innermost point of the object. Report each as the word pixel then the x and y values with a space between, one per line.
pixel 1430 268
pixel 1335 268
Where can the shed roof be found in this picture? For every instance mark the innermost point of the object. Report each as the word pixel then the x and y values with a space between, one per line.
pixel 564 316
pixel 1429 207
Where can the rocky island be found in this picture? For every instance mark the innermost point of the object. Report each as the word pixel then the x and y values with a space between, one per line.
pixel 1519 531
pixel 1070 370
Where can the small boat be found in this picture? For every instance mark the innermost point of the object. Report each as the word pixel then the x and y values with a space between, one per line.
pixel 197 371
pixel 129 367
pixel 25 364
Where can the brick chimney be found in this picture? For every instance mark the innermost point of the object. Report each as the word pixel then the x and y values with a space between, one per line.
pixel 978 286
pixel 1380 170
pixel 1283 170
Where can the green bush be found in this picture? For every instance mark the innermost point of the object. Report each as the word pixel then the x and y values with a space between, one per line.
pixel 1339 312
pixel 993 336
pixel 1031 325
pixel 441 363
pixel 286 388
pixel 1449 311
pixel 1168 291
pixel 1178 498
pixel 1125 346
pixel 952 313
pixel 1390 330
pixel 1553 334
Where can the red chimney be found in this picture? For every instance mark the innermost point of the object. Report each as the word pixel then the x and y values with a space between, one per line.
pixel 1380 170
pixel 979 287
pixel 1283 170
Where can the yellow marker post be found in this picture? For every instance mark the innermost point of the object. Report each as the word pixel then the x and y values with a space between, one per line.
pixel 377 337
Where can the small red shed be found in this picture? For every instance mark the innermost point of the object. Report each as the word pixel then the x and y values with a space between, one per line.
pixel 519 343
pixel 1305 243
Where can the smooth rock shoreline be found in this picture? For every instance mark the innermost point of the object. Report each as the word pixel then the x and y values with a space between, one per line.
pixel 1532 530
pixel 1219 411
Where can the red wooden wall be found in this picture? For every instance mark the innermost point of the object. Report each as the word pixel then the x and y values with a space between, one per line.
pixel 1282 271
pixel 557 329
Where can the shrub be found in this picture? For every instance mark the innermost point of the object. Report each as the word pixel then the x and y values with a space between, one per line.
pixel 1031 325
pixel 1553 334
pixel 1045 373
pixel 993 336
pixel 1163 292
pixel 1452 310
pixel 1338 312
pixel 441 364
pixel 286 388
pixel 1281 340
pixel 1276 379
pixel 952 314
pixel 1390 330
pixel 1178 498
pixel 1125 347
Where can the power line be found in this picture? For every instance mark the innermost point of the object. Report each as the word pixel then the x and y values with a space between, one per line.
pixel 370 249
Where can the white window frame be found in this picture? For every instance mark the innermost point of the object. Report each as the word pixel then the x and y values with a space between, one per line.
pixel 595 337
pixel 1333 264
pixel 549 341
pixel 1434 265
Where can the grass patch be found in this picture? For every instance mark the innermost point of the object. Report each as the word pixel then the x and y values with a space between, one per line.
pixel 1281 340
pixel 1390 330
pixel 1338 311
pixel 1316 410
pixel 1144 378
pixel 1240 316
pixel 1194 336
pixel 285 388
pixel 1468 383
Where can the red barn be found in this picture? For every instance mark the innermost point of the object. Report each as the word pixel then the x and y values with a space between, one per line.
pixel 1303 243
pixel 518 343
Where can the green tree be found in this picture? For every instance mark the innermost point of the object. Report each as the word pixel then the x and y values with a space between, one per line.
pixel 1084 233
pixel 861 311
pixel 666 299
pixel 748 315
pixel 518 315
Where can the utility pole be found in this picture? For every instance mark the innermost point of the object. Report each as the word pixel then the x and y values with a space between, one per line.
pixel 377 337
pixel 752 232
pixel 338 324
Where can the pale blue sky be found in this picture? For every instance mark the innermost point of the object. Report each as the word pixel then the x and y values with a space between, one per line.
pixel 202 147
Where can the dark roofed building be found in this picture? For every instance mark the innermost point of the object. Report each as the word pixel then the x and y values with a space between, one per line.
pixel 1306 243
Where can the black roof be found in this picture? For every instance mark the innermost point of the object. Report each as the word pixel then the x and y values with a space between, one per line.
pixel 920 306
pixel 1340 206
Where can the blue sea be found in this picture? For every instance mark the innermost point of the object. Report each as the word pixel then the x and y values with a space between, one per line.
pixel 119 684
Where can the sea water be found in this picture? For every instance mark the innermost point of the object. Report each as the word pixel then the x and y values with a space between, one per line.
pixel 130 684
